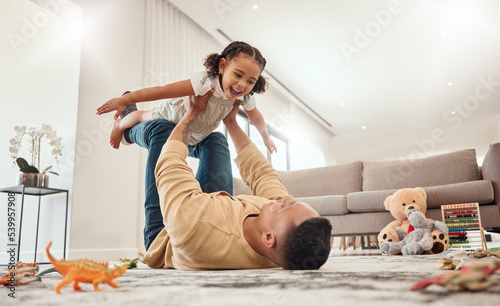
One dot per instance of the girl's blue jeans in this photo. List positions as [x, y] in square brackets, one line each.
[214, 170]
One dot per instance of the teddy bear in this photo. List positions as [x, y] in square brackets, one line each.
[398, 204]
[417, 241]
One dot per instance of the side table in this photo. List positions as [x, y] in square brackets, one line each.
[40, 192]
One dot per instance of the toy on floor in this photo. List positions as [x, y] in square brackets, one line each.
[466, 230]
[475, 277]
[417, 241]
[451, 261]
[398, 204]
[19, 275]
[85, 271]
[21, 264]
[478, 253]
[128, 263]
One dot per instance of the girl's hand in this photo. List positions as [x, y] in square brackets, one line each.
[197, 104]
[117, 104]
[270, 145]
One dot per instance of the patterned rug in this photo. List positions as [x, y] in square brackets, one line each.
[343, 280]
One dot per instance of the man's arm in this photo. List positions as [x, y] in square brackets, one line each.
[240, 139]
[181, 199]
[255, 169]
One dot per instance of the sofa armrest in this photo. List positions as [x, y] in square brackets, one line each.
[491, 169]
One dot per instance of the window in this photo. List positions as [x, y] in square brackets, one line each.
[280, 160]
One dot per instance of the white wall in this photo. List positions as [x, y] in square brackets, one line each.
[39, 76]
[496, 138]
[310, 142]
[107, 187]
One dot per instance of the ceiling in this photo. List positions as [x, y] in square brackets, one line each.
[389, 70]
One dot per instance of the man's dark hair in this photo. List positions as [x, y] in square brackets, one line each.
[307, 246]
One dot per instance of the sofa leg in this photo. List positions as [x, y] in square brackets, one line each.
[369, 242]
[342, 243]
[356, 242]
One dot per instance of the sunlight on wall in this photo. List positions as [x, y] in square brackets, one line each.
[39, 83]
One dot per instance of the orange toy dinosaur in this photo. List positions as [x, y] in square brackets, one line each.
[85, 271]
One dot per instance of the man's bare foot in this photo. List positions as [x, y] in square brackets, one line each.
[116, 134]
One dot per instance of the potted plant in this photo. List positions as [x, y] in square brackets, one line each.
[29, 174]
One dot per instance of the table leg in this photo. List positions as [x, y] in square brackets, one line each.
[37, 226]
[20, 226]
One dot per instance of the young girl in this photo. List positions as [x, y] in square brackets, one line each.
[235, 74]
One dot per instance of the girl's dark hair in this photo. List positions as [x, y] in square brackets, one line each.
[231, 51]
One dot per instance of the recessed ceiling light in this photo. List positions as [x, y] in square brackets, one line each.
[445, 34]
[450, 83]
[453, 113]
[255, 6]
[342, 104]
[363, 127]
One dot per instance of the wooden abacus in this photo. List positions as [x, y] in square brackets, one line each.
[464, 224]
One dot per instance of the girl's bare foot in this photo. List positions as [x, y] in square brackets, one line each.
[116, 134]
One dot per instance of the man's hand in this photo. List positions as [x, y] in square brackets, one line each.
[197, 104]
[194, 106]
[231, 117]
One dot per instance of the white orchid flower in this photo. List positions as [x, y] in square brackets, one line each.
[46, 128]
[34, 143]
[19, 129]
[51, 135]
[39, 132]
[55, 142]
[56, 151]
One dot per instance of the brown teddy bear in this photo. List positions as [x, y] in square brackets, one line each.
[398, 204]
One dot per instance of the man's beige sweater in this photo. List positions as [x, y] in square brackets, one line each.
[205, 231]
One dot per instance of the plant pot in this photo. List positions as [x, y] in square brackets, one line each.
[43, 180]
[33, 179]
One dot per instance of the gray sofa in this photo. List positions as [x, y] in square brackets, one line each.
[352, 195]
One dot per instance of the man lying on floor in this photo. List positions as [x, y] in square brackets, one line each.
[218, 231]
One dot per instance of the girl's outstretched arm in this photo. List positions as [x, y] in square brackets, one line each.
[172, 90]
[260, 124]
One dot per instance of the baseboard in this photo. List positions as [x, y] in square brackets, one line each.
[95, 254]
[103, 254]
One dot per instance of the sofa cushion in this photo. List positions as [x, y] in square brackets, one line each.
[491, 168]
[330, 180]
[332, 205]
[468, 192]
[239, 187]
[450, 168]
